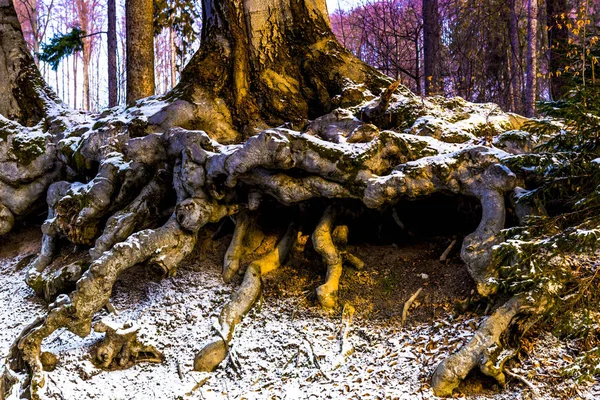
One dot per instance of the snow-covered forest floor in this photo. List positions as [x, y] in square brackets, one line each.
[287, 348]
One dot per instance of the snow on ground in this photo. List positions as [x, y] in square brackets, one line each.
[284, 349]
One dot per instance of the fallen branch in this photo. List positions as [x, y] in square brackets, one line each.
[409, 303]
[446, 252]
[535, 394]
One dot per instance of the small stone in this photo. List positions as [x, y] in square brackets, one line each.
[424, 276]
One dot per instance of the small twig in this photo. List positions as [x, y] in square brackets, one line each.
[226, 389]
[179, 372]
[397, 220]
[409, 303]
[531, 386]
[345, 347]
[61, 394]
[314, 355]
[446, 252]
[291, 358]
[198, 385]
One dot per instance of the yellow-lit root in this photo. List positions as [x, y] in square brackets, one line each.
[242, 301]
[323, 241]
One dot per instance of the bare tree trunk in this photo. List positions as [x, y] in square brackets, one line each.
[418, 66]
[173, 57]
[531, 68]
[515, 66]
[248, 53]
[431, 46]
[112, 53]
[140, 49]
[75, 105]
[86, 78]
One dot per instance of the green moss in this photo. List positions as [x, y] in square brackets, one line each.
[459, 116]
[138, 127]
[27, 148]
[98, 124]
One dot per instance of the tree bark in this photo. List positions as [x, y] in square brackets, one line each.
[112, 53]
[140, 49]
[24, 95]
[263, 63]
[531, 67]
[431, 47]
[515, 65]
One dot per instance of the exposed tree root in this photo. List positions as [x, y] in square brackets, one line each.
[242, 301]
[59, 280]
[212, 181]
[485, 349]
[324, 244]
[121, 348]
[93, 291]
[143, 212]
[112, 180]
[118, 190]
[235, 251]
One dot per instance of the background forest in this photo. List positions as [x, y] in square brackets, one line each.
[511, 53]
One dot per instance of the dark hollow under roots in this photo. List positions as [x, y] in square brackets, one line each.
[149, 196]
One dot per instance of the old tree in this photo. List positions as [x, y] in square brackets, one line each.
[270, 113]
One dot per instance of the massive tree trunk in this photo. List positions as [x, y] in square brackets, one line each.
[139, 28]
[307, 119]
[263, 63]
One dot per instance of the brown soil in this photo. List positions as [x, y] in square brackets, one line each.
[392, 274]
[23, 240]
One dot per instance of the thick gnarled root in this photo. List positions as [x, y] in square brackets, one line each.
[121, 347]
[93, 290]
[323, 242]
[236, 249]
[55, 281]
[331, 243]
[242, 301]
[484, 349]
[141, 213]
[79, 212]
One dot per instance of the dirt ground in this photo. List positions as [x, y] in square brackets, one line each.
[287, 347]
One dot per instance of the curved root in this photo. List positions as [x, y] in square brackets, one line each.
[242, 301]
[235, 251]
[324, 244]
[139, 214]
[93, 291]
[484, 349]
